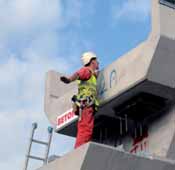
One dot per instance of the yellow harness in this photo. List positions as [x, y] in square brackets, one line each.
[87, 95]
[87, 90]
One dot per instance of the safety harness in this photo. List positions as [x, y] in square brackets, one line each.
[87, 95]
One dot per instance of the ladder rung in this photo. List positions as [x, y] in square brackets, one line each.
[35, 157]
[40, 142]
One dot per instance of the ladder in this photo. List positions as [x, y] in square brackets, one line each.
[47, 144]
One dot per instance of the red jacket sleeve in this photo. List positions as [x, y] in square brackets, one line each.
[84, 73]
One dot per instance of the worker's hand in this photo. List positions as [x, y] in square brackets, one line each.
[65, 79]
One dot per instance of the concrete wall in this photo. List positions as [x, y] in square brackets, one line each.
[171, 150]
[94, 156]
[71, 161]
[162, 66]
[160, 136]
[57, 99]
[111, 159]
[167, 22]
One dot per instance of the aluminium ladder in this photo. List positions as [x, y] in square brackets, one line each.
[47, 144]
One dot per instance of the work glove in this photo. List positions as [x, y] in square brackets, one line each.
[65, 79]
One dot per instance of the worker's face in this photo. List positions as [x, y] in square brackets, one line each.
[96, 64]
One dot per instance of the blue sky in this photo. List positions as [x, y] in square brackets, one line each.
[39, 35]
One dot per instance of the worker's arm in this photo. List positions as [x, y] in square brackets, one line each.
[82, 74]
[68, 80]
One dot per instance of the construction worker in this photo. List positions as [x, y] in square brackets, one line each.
[86, 100]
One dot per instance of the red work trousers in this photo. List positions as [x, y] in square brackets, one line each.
[85, 126]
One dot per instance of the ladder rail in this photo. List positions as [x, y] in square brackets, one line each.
[34, 126]
[50, 130]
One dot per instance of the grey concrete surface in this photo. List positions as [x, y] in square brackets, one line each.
[94, 156]
[71, 161]
[162, 68]
[171, 150]
[100, 157]
[56, 93]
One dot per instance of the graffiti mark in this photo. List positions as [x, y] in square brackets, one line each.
[140, 144]
[113, 78]
[105, 83]
[101, 85]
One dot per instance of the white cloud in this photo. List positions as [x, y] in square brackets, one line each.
[31, 38]
[21, 102]
[22, 81]
[30, 44]
[134, 10]
[28, 16]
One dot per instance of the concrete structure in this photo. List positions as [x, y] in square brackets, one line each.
[95, 156]
[137, 95]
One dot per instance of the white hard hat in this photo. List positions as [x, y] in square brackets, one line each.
[87, 56]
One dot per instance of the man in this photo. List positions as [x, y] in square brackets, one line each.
[86, 99]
